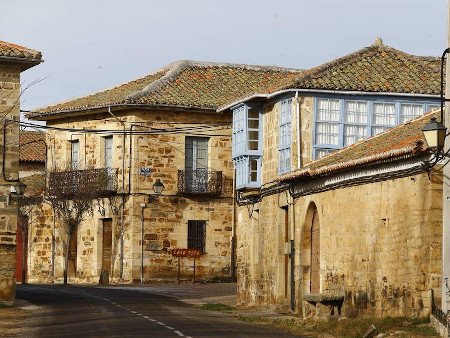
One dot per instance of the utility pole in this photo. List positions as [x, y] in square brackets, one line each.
[446, 192]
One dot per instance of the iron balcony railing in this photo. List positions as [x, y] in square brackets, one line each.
[90, 182]
[199, 182]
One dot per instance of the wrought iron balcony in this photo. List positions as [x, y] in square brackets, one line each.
[199, 182]
[91, 182]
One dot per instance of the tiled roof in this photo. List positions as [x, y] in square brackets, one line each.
[377, 68]
[184, 84]
[12, 52]
[32, 146]
[406, 139]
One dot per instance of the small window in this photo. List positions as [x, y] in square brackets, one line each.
[75, 154]
[108, 151]
[196, 235]
[410, 111]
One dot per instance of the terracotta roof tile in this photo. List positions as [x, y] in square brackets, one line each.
[8, 49]
[187, 84]
[406, 139]
[377, 68]
[32, 146]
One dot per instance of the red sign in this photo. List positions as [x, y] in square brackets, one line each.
[192, 253]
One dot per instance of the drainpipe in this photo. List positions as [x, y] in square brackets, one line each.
[297, 114]
[142, 242]
[233, 232]
[130, 159]
[292, 252]
[6, 179]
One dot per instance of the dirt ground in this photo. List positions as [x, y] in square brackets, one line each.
[10, 319]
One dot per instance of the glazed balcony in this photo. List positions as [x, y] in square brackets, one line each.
[199, 182]
[90, 182]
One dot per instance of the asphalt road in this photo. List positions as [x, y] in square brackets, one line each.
[79, 311]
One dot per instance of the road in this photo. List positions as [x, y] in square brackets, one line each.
[81, 311]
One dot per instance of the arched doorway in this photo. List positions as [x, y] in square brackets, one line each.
[310, 255]
[315, 253]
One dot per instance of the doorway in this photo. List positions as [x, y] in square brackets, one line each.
[72, 261]
[106, 247]
[310, 255]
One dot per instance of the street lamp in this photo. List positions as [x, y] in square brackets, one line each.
[158, 187]
[435, 133]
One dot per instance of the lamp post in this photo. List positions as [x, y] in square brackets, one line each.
[158, 187]
[435, 133]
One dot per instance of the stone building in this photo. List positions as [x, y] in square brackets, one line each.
[359, 227]
[14, 59]
[32, 155]
[116, 144]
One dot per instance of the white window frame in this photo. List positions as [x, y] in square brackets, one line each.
[371, 126]
[285, 136]
[242, 154]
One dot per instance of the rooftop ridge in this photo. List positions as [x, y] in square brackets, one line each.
[177, 67]
[371, 50]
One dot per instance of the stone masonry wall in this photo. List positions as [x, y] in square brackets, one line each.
[380, 246]
[9, 108]
[165, 220]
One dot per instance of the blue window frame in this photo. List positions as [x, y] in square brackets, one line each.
[340, 122]
[247, 149]
[285, 137]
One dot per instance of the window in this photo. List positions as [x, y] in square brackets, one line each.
[75, 154]
[410, 111]
[108, 151]
[340, 122]
[247, 145]
[196, 235]
[253, 129]
[327, 125]
[285, 137]
[196, 164]
[356, 120]
[239, 117]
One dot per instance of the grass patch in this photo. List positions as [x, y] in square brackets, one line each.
[351, 328]
[218, 307]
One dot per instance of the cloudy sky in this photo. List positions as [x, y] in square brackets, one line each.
[90, 45]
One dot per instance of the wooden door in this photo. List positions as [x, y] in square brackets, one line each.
[315, 254]
[72, 264]
[20, 254]
[107, 247]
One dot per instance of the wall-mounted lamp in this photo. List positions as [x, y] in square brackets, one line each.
[435, 131]
[158, 187]
[17, 190]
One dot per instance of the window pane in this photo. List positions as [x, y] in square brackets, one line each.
[410, 111]
[253, 170]
[384, 114]
[328, 110]
[353, 134]
[327, 133]
[379, 130]
[253, 124]
[322, 152]
[356, 112]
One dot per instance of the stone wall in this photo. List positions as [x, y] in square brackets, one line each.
[380, 246]
[165, 220]
[9, 108]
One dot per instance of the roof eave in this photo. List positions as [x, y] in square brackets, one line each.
[406, 152]
[24, 63]
[101, 109]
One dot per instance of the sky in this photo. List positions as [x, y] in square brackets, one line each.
[92, 45]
